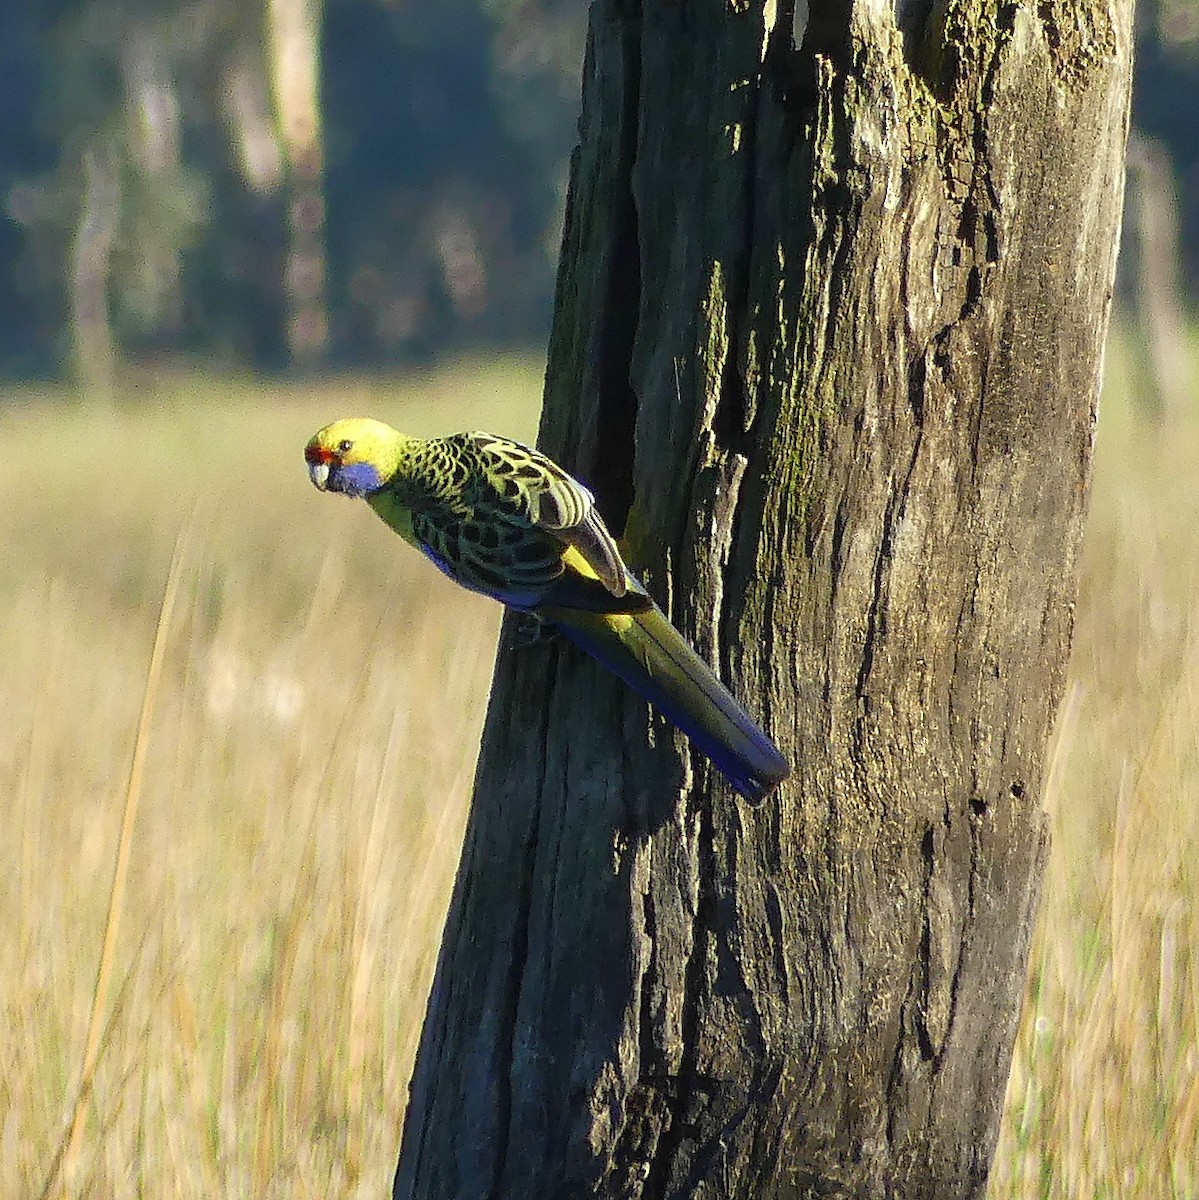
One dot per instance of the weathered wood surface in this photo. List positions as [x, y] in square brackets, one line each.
[828, 343]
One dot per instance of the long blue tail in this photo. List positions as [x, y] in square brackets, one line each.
[651, 656]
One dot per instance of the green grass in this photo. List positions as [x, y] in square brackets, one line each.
[308, 757]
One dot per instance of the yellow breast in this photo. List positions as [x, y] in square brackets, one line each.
[394, 514]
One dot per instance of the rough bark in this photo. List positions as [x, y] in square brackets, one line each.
[827, 343]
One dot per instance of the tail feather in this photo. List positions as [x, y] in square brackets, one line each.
[652, 657]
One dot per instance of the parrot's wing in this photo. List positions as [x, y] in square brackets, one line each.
[567, 510]
[488, 552]
[553, 501]
[504, 556]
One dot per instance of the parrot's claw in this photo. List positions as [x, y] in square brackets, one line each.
[529, 630]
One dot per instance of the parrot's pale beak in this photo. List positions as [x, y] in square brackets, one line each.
[318, 472]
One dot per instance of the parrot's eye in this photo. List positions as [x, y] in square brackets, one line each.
[345, 446]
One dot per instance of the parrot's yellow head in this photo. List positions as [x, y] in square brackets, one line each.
[354, 456]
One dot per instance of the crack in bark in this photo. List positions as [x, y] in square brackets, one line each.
[908, 1017]
[776, 921]
[725, 541]
[520, 954]
[609, 462]
[687, 1080]
[637, 1152]
[736, 410]
[924, 1037]
[876, 613]
[955, 983]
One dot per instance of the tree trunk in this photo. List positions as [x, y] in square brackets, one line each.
[828, 343]
[94, 349]
[293, 28]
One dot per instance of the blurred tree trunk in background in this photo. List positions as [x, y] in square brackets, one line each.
[828, 340]
[1159, 309]
[94, 347]
[294, 51]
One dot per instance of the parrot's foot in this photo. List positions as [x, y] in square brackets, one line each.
[529, 630]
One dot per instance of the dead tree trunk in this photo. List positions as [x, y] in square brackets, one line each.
[828, 342]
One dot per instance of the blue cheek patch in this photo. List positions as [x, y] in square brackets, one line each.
[356, 479]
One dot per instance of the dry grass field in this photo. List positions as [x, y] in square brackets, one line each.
[249, 707]
[305, 758]
[1104, 1095]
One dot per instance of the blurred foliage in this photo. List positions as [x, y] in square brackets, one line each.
[1165, 107]
[447, 130]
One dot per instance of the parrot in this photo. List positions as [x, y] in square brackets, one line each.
[501, 518]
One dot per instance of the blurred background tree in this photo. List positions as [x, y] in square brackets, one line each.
[295, 182]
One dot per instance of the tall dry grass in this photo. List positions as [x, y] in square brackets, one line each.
[294, 799]
[1104, 1095]
[288, 792]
